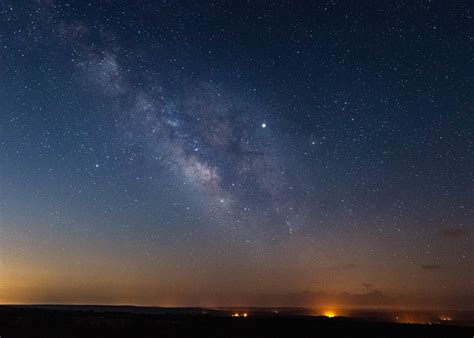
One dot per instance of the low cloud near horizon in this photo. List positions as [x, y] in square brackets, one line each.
[455, 233]
[431, 267]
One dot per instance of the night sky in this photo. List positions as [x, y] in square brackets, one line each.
[170, 153]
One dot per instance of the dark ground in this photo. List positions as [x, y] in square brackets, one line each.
[62, 321]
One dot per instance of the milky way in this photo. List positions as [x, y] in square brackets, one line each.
[213, 139]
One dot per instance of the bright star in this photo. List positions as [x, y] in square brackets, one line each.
[264, 125]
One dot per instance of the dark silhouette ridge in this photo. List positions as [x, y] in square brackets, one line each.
[128, 321]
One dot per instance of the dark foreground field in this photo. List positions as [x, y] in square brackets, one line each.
[45, 322]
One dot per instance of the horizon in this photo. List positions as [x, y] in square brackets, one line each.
[382, 315]
[312, 311]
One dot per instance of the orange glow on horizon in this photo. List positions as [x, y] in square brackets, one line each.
[329, 313]
[445, 318]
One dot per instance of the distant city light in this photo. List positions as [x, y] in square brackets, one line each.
[329, 314]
